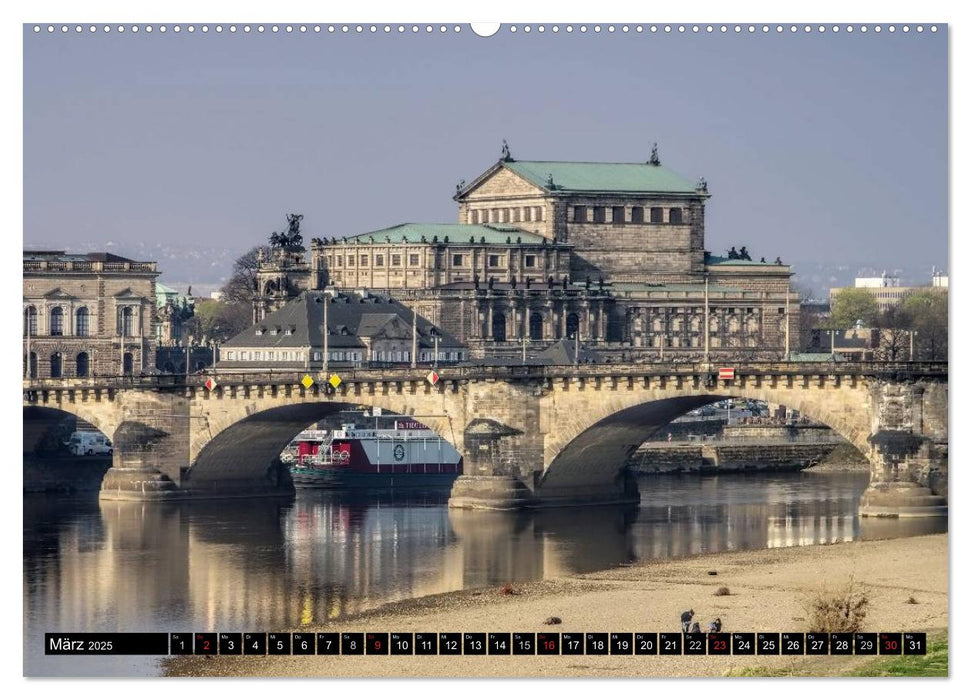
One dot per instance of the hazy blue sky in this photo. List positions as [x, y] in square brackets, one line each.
[814, 147]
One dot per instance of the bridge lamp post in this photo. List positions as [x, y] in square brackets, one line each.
[414, 338]
[326, 333]
[912, 334]
[27, 369]
[707, 360]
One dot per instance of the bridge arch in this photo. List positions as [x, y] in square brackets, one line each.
[39, 422]
[594, 440]
[240, 442]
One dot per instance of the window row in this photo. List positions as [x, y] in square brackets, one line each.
[507, 215]
[618, 215]
[56, 326]
[414, 260]
[82, 365]
[460, 260]
[271, 355]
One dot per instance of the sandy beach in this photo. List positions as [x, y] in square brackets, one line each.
[768, 592]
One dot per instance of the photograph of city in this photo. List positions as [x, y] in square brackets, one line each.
[412, 350]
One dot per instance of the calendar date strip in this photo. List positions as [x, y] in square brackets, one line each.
[486, 643]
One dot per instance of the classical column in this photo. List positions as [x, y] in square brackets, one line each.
[602, 317]
[488, 329]
[475, 332]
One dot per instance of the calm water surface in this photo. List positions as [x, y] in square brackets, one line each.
[272, 565]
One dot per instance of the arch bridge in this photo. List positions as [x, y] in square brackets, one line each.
[529, 435]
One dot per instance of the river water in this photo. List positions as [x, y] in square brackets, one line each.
[259, 565]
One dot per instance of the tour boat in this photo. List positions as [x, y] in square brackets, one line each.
[403, 454]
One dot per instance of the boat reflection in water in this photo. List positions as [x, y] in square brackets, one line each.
[240, 565]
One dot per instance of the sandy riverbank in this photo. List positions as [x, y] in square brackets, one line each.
[768, 592]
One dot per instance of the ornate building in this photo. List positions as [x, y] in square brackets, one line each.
[544, 250]
[86, 315]
[173, 310]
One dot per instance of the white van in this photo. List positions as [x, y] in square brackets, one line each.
[89, 443]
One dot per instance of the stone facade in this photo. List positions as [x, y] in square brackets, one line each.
[87, 315]
[545, 250]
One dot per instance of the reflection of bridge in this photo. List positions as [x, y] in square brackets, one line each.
[529, 435]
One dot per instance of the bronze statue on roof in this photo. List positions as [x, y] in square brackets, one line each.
[291, 239]
[655, 158]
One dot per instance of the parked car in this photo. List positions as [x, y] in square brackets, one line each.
[89, 443]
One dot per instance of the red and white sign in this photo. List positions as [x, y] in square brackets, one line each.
[432, 378]
[211, 384]
[726, 373]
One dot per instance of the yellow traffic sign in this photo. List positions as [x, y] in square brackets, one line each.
[335, 381]
[307, 381]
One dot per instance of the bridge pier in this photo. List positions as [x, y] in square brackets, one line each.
[498, 474]
[908, 454]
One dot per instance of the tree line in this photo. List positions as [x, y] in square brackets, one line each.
[923, 314]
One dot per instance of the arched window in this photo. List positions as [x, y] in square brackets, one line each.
[81, 327]
[499, 327]
[572, 325]
[56, 365]
[128, 364]
[536, 326]
[674, 216]
[30, 321]
[82, 364]
[126, 322]
[57, 321]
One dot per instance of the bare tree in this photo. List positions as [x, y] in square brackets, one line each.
[892, 339]
[928, 309]
[241, 286]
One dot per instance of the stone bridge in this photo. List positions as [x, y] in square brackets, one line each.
[530, 435]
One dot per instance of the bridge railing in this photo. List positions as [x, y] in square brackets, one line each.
[480, 373]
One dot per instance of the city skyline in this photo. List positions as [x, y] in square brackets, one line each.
[181, 139]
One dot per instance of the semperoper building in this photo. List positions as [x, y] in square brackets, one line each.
[546, 250]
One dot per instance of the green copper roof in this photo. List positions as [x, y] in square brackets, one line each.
[602, 177]
[457, 234]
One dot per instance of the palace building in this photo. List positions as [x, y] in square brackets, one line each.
[546, 250]
[86, 315]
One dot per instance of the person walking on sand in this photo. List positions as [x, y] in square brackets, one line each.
[686, 620]
[695, 628]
